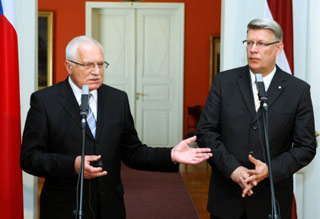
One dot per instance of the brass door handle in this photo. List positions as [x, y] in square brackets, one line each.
[140, 94]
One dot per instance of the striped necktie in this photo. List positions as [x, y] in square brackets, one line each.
[91, 120]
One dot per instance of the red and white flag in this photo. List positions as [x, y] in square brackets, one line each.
[281, 11]
[11, 192]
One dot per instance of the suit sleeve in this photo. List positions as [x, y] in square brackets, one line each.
[208, 132]
[36, 157]
[304, 143]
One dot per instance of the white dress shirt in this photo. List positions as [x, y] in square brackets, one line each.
[266, 80]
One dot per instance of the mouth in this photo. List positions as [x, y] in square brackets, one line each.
[252, 59]
[94, 79]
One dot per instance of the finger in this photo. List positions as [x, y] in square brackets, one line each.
[92, 176]
[242, 183]
[246, 190]
[89, 168]
[253, 172]
[203, 154]
[250, 179]
[95, 169]
[93, 157]
[103, 173]
[202, 150]
[250, 193]
[198, 160]
[252, 159]
[253, 183]
[190, 140]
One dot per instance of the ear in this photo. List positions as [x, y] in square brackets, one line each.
[68, 66]
[280, 47]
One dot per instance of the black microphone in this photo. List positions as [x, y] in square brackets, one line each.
[84, 107]
[263, 97]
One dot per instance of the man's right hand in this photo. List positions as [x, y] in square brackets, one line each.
[239, 175]
[89, 172]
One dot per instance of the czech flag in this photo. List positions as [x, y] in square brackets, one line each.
[11, 198]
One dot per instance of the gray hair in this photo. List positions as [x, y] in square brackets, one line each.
[73, 45]
[265, 23]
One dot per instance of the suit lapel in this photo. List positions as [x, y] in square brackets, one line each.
[71, 106]
[69, 102]
[244, 83]
[103, 109]
[276, 87]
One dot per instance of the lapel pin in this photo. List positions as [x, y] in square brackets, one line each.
[279, 87]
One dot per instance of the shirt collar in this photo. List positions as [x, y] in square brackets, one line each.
[78, 92]
[267, 79]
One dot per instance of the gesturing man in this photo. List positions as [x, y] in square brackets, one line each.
[51, 144]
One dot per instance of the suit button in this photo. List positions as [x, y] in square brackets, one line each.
[254, 127]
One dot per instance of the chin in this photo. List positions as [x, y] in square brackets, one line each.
[94, 86]
[254, 68]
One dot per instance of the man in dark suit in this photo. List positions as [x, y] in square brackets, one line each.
[51, 144]
[233, 129]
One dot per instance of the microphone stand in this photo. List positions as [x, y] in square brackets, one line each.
[83, 129]
[264, 108]
[84, 108]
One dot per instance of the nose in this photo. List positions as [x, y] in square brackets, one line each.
[96, 70]
[253, 48]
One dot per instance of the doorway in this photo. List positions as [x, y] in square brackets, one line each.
[144, 44]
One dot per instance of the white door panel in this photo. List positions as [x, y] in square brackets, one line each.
[157, 76]
[115, 30]
[143, 43]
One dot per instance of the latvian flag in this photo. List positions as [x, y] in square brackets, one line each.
[11, 201]
[281, 11]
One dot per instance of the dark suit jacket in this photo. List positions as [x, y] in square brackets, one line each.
[52, 140]
[230, 126]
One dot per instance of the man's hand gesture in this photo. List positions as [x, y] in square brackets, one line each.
[182, 153]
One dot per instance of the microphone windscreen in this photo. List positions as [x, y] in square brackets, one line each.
[85, 89]
[259, 78]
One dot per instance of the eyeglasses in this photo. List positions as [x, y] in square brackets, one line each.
[92, 65]
[260, 45]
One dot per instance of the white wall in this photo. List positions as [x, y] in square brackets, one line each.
[311, 58]
[26, 15]
[235, 15]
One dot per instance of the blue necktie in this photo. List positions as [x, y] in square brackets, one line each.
[91, 122]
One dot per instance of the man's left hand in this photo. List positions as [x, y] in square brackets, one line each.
[260, 174]
[182, 153]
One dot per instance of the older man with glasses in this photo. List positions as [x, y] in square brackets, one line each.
[51, 144]
[232, 126]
